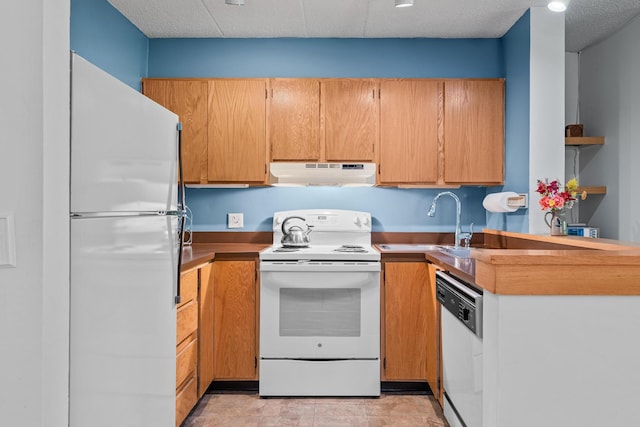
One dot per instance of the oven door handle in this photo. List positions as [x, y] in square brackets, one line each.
[318, 266]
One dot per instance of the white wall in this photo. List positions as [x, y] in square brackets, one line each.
[610, 106]
[546, 140]
[34, 120]
[572, 116]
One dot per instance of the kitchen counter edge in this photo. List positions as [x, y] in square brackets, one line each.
[511, 263]
[197, 254]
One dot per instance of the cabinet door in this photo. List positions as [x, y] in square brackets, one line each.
[409, 116]
[235, 320]
[474, 131]
[237, 130]
[349, 119]
[205, 329]
[187, 345]
[407, 320]
[188, 99]
[294, 119]
[433, 336]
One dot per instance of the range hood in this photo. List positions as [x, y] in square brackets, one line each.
[344, 174]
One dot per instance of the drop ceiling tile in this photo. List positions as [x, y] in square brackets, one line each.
[587, 21]
[443, 19]
[336, 18]
[259, 18]
[169, 18]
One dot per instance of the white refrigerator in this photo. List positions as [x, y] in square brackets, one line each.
[126, 220]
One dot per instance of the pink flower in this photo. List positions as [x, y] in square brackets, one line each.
[552, 197]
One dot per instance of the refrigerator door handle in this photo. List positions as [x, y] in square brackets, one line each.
[181, 214]
[177, 213]
[182, 204]
[181, 220]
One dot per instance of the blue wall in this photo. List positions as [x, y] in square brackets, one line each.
[515, 48]
[101, 35]
[392, 209]
[325, 58]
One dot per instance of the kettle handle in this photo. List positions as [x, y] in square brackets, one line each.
[287, 219]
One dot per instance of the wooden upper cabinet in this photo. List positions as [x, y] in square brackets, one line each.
[237, 130]
[409, 117]
[294, 119]
[474, 131]
[349, 119]
[188, 99]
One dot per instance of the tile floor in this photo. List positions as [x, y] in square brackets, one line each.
[249, 410]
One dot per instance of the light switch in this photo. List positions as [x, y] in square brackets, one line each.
[7, 240]
[235, 220]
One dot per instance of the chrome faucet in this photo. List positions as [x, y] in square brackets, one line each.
[432, 212]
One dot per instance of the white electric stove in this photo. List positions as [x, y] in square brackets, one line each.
[320, 308]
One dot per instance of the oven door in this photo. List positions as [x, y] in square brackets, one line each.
[319, 310]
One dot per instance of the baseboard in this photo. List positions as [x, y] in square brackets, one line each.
[387, 387]
[405, 387]
[233, 387]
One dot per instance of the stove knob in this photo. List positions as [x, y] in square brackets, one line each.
[361, 221]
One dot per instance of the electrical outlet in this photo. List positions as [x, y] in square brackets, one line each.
[235, 220]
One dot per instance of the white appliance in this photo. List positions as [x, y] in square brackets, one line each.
[341, 174]
[461, 350]
[125, 254]
[320, 308]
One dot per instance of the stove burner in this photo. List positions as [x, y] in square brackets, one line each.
[350, 248]
[286, 249]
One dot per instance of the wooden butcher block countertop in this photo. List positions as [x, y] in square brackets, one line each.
[523, 264]
[223, 245]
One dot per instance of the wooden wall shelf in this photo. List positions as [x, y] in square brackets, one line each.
[593, 190]
[584, 140]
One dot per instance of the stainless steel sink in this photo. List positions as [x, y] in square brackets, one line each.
[459, 252]
[409, 247]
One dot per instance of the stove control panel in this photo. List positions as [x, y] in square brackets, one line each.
[327, 220]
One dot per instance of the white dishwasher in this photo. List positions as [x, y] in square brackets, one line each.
[461, 350]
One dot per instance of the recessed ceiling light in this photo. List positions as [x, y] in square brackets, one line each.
[404, 3]
[558, 5]
[234, 2]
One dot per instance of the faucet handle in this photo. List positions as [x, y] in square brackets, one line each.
[467, 236]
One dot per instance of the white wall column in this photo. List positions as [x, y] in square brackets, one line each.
[55, 228]
[547, 109]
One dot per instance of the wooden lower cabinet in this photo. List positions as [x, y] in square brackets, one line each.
[205, 329]
[410, 324]
[187, 345]
[186, 399]
[194, 339]
[235, 336]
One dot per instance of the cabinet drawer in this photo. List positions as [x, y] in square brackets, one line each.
[187, 321]
[186, 362]
[188, 286]
[186, 399]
